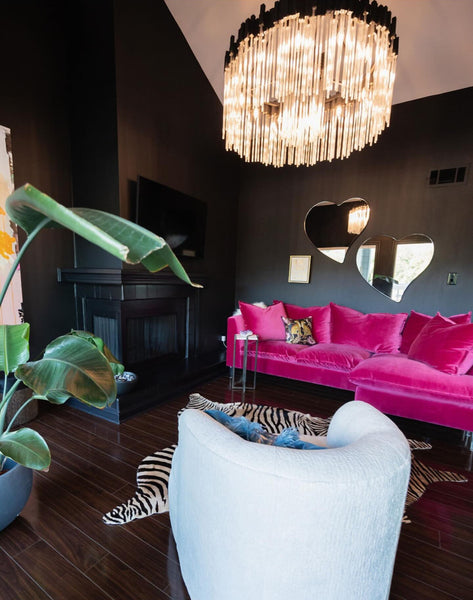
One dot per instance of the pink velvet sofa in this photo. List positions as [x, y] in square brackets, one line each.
[414, 366]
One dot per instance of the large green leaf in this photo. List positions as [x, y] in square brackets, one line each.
[129, 242]
[71, 367]
[14, 346]
[115, 364]
[26, 447]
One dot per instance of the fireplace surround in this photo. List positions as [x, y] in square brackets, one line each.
[141, 316]
[150, 322]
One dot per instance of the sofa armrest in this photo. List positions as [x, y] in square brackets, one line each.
[235, 324]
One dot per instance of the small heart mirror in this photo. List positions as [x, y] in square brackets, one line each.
[391, 265]
[333, 228]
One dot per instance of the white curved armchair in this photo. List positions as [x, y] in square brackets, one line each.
[268, 523]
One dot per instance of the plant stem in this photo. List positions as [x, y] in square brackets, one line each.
[5, 383]
[18, 412]
[6, 399]
[31, 236]
[8, 394]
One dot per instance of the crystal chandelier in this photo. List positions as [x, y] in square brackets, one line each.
[358, 217]
[309, 81]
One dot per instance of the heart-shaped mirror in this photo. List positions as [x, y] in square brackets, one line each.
[390, 265]
[333, 228]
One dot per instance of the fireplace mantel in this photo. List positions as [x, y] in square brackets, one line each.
[121, 277]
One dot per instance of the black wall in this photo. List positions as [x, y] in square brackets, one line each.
[169, 130]
[93, 117]
[33, 104]
[392, 176]
[96, 93]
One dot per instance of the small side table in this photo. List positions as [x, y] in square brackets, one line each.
[245, 339]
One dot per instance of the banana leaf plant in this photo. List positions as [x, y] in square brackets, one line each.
[76, 364]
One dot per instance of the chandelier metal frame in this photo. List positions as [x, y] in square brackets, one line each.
[309, 81]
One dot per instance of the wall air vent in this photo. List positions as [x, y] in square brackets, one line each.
[448, 176]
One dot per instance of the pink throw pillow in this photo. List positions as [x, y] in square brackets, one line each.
[444, 345]
[416, 322]
[320, 319]
[376, 332]
[265, 322]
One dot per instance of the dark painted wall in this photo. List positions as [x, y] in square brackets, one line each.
[392, 176]
[96, 93]
[93, 118]
[33, 105]
[169, 130]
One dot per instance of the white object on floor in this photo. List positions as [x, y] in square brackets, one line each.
[268, 523]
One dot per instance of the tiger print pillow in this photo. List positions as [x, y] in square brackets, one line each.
[299, 331]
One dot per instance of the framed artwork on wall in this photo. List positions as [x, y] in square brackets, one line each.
[11, 310]
[299, 268]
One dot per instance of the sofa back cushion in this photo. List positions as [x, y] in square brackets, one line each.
[376, 332]
[266, 323]
[416, 322]
[444, 345]
[320, 319]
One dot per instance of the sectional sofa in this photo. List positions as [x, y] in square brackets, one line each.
[409, 365]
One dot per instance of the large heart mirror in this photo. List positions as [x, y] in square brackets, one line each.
[333, 228]
[390, 265]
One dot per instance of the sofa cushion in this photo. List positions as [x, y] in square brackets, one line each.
[376, 332]
[334, 356]
[275, 349]
[444, 345]
[266, 323]
[299, 331]
[399, 374]
[416, 322]
[320, 319]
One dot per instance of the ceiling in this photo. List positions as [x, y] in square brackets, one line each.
[435, 40]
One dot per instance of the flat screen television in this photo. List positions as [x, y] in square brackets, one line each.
[178, 218]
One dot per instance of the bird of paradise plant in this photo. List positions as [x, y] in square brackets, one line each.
[71, 365]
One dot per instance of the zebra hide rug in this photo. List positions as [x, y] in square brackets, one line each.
[152, 477]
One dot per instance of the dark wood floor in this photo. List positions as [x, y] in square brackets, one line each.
[60, 549]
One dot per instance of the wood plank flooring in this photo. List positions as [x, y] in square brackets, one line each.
[59, 548]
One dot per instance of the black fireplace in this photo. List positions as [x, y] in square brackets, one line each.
[141, 316]
[150, 321]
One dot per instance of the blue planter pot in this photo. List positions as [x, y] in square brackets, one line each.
[15, 489]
